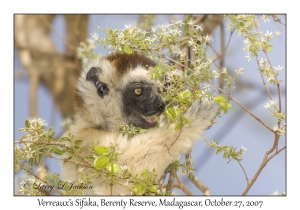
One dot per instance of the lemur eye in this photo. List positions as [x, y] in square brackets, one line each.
[138, 91]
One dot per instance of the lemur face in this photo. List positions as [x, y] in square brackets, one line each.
[141, 100]
[118, 89]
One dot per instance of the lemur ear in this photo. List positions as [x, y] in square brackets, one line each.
[93, 76]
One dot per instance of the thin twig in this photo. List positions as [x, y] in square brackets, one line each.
[277, 82]
[247, 179]
[222, 60]
[164, 56]
[276, 19]
[43, 143]
[56, 144]
[263, 80]
[233, 121]
[42, 181]
[34, 81]
[264, 163]
[220, 89]
[71, 161]
[170, 184]
[44, 167]
[271, 66]
[249, 112]
[174, 42]
[160, 185]
[192, 176]
[199, 19]
[181, 186]
[168, 147]
[213, 49]
[219, 56]
[275, 146]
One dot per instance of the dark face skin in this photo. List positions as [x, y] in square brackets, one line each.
[141, 100]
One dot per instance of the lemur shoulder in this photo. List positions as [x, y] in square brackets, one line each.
[118, 89]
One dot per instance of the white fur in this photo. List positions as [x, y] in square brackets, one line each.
[150, 150]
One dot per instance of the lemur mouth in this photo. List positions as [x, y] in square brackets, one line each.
[150, 119]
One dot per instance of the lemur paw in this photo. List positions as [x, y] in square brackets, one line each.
[202, 111]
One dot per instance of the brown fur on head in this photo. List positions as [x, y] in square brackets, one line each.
[126, 62]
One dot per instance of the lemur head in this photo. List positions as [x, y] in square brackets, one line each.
[117, 89]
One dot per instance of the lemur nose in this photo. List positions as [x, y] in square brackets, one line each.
[160, 107]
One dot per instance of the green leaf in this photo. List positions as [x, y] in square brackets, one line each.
[145, 173]
[57, 150]
[27, 123]
[152, 189]
[22, 129]
[156, 72]
[139, 189]
[31, 161]
[178, 125]
[37, 159]
[100, 150]
[219, 99]
[223, 103]
[116, 157]
[127, 49]
[62, 139]
[169, 169]
[51, 133]
[269, 47]
[101, 162]
[78, 142]
[185, 94]
[171, 113]
[112, 168]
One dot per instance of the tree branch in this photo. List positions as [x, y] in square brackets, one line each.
[247, 179]
[192, 176]
[71, 161]
[276, 19]
[249, 112]
[220, 89]
[34, 81]
[42, 181]
[219, 56]
[170, 184]
[181, 186]
[263, 80]
[56, 32]
[271, 66]
[264, 163]
[56, 144]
